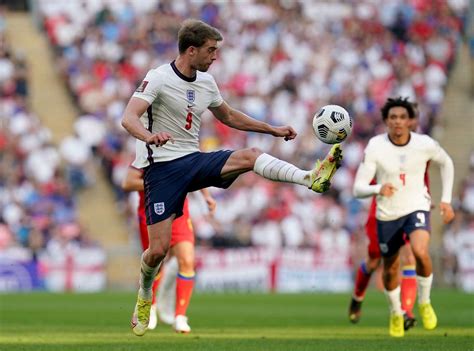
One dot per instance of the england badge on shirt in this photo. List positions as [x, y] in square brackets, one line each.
[191, 95]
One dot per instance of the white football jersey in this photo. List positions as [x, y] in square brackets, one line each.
[176, 104]
[404, 167]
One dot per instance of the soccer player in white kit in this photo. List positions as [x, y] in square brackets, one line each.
[398, 160]
[164, 114]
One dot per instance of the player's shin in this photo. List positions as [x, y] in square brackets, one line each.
[184, 290]
[362, 281]
[424, 288]
[408, 289]
[393, 298]
[275, 169]
[147, 277]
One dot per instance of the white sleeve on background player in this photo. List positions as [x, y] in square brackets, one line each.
[365, 174]
[150, 87]
[441, 157]
[217, 99]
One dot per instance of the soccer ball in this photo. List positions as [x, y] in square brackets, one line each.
[332, 124]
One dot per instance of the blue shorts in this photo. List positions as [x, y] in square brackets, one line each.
[390, 233]
[168, 183]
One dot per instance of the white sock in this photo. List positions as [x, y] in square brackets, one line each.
[393, 298]
[275, 169]
[424, 288]
[147, 276]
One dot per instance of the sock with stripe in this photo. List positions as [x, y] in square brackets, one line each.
[408, 289]
[184, 290]
[275, 169]
[362, 281]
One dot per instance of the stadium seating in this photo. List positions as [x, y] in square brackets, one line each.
[38, 183]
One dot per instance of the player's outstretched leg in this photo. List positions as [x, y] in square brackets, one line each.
[323, 171]
[317, 179]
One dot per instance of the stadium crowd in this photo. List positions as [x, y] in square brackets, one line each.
[280, 61]
[37, 184]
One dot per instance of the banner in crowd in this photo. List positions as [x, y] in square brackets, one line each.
[78, 269]
[283, 270]
[18, 275]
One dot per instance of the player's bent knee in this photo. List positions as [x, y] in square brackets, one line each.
[157, 252]
[372, 264]
[251, 155]
[420, 252]
[186, 265]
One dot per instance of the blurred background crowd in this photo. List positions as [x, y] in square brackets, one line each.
[280, 61]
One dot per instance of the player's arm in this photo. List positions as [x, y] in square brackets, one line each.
[363, 186]
[133, 180]
[446, 165]
[210, 201]
[239, 120]
[138, 105]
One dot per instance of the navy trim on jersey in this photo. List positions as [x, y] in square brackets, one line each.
[180, 75]
[150, 128]
[409, 138]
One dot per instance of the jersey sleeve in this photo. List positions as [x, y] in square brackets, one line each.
[150, 87]
[363, 185]
[217, 99]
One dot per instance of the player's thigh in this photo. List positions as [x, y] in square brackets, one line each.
[390, 236]
[406, 255]
[420, 240]
[184, 252]
[391, 264]
[159, 235]
[239, 162]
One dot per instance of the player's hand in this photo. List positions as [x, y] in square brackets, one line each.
[387, 190]
[286, 132]
[446, 211]
[211, 204]
[159, 139]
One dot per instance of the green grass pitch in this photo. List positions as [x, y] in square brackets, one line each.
[42, 321]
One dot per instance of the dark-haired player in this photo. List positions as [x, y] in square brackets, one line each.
[374, 258]
[398, 159]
